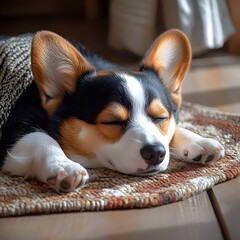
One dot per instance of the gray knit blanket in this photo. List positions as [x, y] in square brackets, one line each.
[15, 72]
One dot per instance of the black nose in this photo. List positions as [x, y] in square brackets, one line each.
[153, 153]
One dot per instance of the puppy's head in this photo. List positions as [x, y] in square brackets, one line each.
[122, 120]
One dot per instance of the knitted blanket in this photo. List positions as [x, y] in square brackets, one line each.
[15, 72]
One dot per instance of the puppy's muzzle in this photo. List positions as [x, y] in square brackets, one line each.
[153, 154]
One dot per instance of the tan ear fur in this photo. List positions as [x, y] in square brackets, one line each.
[170, 57]
[56, 67]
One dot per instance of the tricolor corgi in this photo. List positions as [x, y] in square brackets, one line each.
[83, 112]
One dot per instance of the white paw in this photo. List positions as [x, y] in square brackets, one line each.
[66, 176]
[203, 151]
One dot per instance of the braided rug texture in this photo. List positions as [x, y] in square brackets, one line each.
[108, 190]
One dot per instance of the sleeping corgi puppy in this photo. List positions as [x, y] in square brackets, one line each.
[83, 112]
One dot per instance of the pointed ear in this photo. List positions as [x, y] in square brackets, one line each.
[170, 57]
[56, 67]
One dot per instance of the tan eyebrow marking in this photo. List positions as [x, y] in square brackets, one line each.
[156, 109]
[113, 112]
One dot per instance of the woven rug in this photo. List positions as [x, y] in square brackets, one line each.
[108, 190]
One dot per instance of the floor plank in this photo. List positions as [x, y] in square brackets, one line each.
[216, 86]
[190, 219]
[226, 200]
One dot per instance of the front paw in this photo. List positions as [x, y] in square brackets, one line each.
[203, 151]
[67, 177]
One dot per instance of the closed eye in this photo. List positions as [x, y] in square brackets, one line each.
[159, 119]
[116, 123]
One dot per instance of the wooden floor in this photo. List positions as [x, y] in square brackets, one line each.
[214, 81]
[210, 215]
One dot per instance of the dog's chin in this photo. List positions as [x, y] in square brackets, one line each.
[141, 172]
[147, 173]
[150, 171]
[139, 168]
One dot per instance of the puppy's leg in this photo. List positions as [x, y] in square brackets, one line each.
[38, 155]
[191, 147]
